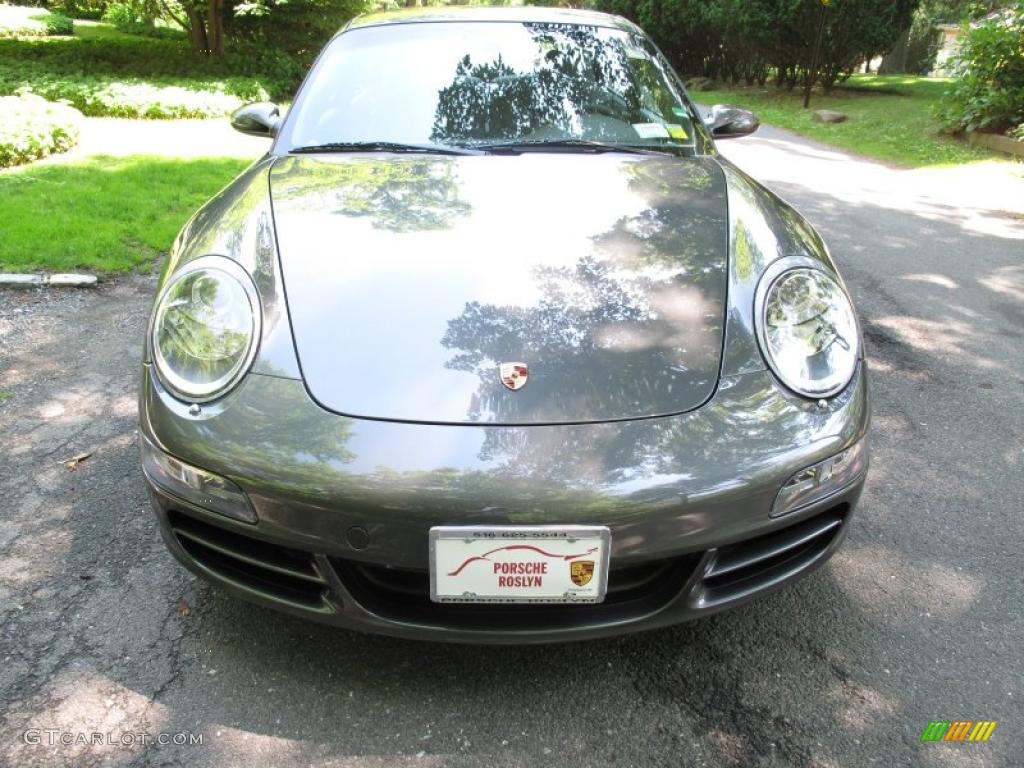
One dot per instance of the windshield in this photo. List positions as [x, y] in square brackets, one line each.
[490, 83]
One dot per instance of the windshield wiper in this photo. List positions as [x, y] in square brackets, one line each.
[582, 145]
[386, 146]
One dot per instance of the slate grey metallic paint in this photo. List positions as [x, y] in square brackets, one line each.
[612, 290]
[668, 485]
[664, 486]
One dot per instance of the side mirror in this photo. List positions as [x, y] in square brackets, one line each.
[729, 122]
[258, 119]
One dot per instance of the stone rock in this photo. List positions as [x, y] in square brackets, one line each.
[71, 280]
[8, 280]
[827, 116]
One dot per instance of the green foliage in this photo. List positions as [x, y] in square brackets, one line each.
[294, 29]
[127, 17]
[58, 24]
[957, 11]
[122, 76]
[923, 44]
[80, 9]
[988, 93]
[31, 128]
[744, 39]
[889, 118]
[115, 214]
[140, 18]
[153, 98]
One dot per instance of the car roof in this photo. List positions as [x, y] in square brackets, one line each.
[435, 14]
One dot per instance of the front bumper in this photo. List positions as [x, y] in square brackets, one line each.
[344, 505]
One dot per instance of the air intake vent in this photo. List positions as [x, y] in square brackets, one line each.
[742, 569]
[283, 574]
[404, 595]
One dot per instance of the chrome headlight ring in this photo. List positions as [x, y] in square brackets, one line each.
[205, 329]
[806, 327]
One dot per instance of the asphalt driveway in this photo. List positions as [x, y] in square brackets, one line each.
[918, 618]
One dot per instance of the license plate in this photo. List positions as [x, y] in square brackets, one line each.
[519, 564]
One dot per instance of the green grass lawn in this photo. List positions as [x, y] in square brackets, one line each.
[103, 214]
[888, 118]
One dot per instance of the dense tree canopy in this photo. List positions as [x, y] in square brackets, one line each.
[749, 39]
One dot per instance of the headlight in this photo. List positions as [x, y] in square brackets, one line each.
[205, 328]
[808, 331]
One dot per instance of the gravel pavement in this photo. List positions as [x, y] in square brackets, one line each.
[917, 618]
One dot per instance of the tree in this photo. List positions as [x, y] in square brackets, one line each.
[744, 39]
[205, 25]
[859, 30]
[296, 28]
[290, 27]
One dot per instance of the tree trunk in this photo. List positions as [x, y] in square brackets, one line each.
[215, 27]
[197, 31]
[895, 61]
[812, 73]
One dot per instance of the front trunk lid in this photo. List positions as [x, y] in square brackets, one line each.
[411, 280]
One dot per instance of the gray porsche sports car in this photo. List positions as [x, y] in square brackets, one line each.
[493, 346]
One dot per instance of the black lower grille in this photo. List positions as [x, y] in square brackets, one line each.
[281, 573]
[404, 595]
[739, 570]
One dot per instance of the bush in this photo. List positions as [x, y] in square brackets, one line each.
[58, 24]
[988, 94]
[135, 17]
[121, 15]
[153, 78]
[157, 98]
[297, 30]
[80, 9]
[31, 128]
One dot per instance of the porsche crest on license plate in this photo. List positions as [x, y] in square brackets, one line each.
[519, 564]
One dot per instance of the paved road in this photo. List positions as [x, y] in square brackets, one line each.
[917, 618]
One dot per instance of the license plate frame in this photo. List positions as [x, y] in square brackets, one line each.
[560, 537]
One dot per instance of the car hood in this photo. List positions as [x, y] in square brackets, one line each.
[411, 279]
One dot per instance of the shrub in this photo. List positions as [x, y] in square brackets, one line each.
[121, 15]
[58, 24]
[988, 94]
[147, 58]
[296, 30]
[31, 128]
[158, 98]
[80, 9]
[134, 16]
[128, 77]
